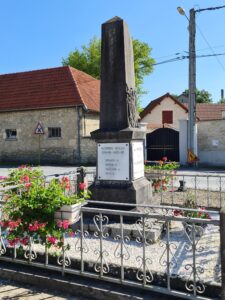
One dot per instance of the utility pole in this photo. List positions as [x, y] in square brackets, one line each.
[191, 136]
[192, 83]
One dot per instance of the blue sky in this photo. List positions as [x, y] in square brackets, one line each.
[36, 34]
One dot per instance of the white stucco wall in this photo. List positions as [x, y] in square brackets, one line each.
[155, 117]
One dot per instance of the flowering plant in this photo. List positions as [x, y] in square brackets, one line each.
[163, 166]
[200, 213]
[30, 207]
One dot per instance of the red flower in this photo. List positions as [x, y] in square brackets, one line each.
[177, 212]
[36, 226]
[24, 241]
[52, 240]
[164, 158]
[82, 186]
[25, 179]
[63, 224]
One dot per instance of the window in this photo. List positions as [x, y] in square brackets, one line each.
[167, 116]
[54, 132]
[11, 134]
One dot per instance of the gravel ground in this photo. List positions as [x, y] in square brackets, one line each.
[207, 255]
[204, 198]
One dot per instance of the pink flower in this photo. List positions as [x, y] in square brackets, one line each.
[25, 179]
[65, 183]
[13, 224]
[63, 224]
[36, 226]
[164, 158]
[71, 234]
[52, 240]
[3, 224]
[28, 185]
[3, 177]
[82, 186]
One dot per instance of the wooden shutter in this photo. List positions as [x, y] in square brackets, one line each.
[167, 116]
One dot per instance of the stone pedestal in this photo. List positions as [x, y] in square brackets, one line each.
[120, 167]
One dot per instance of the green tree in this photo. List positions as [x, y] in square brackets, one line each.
[221, 101]
[202, 96]
[89, 57]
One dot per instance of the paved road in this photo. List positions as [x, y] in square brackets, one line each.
[15, 291]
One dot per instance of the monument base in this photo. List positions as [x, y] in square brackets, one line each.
[135, 192]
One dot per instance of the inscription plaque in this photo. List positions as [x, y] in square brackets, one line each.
[138, 159]
[113, 161]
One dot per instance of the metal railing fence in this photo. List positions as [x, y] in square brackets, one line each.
[206, 190]
[159, 248]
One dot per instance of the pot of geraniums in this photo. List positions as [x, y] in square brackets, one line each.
[161, 173]
[194, 212]
[30, 208]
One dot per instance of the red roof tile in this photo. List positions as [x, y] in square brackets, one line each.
[48, 88]
[157, 101]
[204, 111]
[209, 111]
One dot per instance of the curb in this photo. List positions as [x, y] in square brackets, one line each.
[75, 285]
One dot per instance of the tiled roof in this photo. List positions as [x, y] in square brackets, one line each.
[209, 111]
[157, 101]
[204, 111]
[48, 88]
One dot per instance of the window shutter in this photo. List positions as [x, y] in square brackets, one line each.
[167, 116]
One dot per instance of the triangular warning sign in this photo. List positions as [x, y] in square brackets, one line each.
[39, 129]
[192, 157]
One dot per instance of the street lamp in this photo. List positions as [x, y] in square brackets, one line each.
[192, 79]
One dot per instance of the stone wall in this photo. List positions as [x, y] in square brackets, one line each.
[70, 148]
[211, 142]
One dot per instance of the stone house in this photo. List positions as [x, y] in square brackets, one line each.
[64, 101]
[166, 119]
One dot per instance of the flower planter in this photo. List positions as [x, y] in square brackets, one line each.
[198, 229]
[69, 212]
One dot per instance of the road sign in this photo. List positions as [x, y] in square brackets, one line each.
[39, 129]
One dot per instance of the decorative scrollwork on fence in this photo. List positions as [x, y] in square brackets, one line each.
[84, 247]
[144, 224]
[101, 265]
[30, 252]
[173, 260]
[2, 246]
[198, 285]
[193, 233]
[147, 274]
[101, 222]
[124, 252]
[63, 257]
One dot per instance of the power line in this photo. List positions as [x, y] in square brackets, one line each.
[178, 58]
[218, 60]
[203, 36]
[210, 8]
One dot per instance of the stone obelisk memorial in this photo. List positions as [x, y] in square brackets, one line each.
[120, 143]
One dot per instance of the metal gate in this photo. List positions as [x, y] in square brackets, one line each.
[163, 142]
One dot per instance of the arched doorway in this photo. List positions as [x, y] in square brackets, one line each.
[163, 142]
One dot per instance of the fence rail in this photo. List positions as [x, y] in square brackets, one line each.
[154, 248]
[175, 189]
